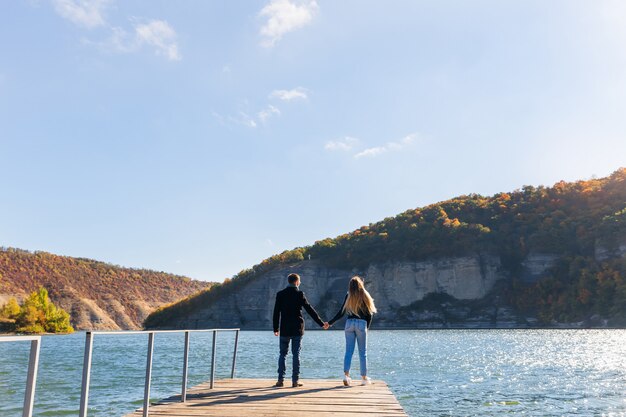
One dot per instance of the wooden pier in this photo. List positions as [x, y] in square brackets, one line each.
[230, 397]
[259, 398]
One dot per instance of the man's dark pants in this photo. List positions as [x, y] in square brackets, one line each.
[296, 344]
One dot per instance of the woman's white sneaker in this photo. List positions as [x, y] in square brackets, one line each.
[366, 381]
[347, 381]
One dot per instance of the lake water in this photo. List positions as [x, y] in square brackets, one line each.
[431, 372]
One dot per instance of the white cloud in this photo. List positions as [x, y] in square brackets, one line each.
[120, 41]
[344, 144]
[218, 117]
[268, 112]
[243, 119]
[288, 95]
[390, 146]
[86, 13]
[405, 141]
[284, 16]
[249, 118]
[371, 152]
[159, 34]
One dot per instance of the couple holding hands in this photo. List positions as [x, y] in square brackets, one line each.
[358, 305]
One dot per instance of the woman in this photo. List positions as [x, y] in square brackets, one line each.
[359, 305]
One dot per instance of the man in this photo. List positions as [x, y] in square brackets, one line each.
[288, 311]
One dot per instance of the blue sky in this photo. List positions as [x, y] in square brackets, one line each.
[201, 137]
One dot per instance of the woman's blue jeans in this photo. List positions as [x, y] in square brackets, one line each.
[356, 332]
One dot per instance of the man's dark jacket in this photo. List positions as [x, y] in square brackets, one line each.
[288, 310]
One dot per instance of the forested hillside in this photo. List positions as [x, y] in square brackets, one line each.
[580, 227]
[96, 294]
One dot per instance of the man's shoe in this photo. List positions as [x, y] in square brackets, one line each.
[366, 381]
[296, 384]
[347, 381]
[279, 384]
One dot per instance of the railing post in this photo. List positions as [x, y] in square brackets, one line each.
[232, 372]
[213, 359]
[183, 395]
[31, 381]
[146, 392]
[84, 389]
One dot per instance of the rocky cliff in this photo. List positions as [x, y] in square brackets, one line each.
[545, 256]
[395, 286]
[461, 292]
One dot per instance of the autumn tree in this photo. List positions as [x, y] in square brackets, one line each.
[37, 314]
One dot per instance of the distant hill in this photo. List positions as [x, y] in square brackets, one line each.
[536, 256]
[96, 294]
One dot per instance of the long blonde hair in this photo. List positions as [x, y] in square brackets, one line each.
[358, 298]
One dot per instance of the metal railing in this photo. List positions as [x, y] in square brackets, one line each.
[33, 365]
[89, 337]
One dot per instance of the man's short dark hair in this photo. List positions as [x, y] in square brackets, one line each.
[293, 278]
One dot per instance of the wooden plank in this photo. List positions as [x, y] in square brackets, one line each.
[259, 398]
[273, 413]
[270, 411]
[292, 405]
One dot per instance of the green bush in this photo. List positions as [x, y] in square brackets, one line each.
[37, 314]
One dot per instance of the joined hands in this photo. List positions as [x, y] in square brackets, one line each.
[326, 325]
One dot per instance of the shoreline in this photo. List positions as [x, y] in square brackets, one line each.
[338, 329]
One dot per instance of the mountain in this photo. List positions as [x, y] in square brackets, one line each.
[536, 256]
[96, 294]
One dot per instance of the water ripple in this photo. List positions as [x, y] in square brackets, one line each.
[432, 372]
